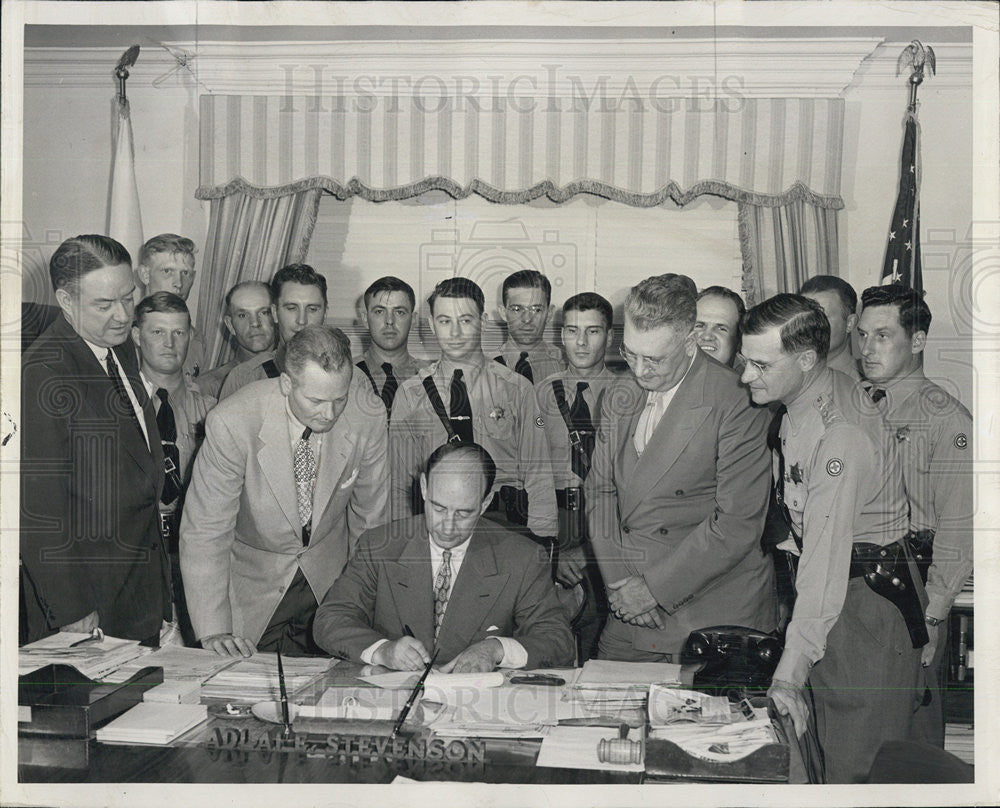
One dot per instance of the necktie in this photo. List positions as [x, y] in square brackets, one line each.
[442, 587]
[305, 473]
[877, 394]
[774, 444]
[523, 367]
[389, 388]
[582, 438]
[460, 409]
[648, 421]
[167, 427]
[123, 399]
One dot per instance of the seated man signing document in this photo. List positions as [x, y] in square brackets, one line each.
[478, 593]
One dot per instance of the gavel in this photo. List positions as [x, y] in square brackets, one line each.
[620, 749]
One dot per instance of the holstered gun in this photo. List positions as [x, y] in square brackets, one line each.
[886, 570]
[921, 545]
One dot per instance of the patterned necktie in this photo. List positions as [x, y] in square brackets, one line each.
[390, 386]
[877, 394]
[167, 427]
[305, 474]
[460, 409]
[442, 587]
[583, 427]
[123, 399]
[523, 367]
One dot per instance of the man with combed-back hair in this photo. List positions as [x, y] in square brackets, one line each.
[91, 461]
[933, 434]
[839, 302]
[292, 472]
[849, 656]
[677, 492]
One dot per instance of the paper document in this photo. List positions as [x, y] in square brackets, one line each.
[604, 673]
[95, 660]
[719, 742]
[670, 705]
[255, 678]
[178, 663]
[576, 748]
[153, 723]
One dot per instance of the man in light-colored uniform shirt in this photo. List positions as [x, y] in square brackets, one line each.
[389, 304]
[502, 412]
[933, 433]
[527, 307]
[166, 264]
[839, 302]
[847, 648]
[299, 294]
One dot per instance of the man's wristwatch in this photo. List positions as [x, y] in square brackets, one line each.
[932, 621]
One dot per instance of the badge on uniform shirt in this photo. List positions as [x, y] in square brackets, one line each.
[961, 441]
[496, 413]
[834, 466]
[540, 422]
[903, 433]
[796, 474]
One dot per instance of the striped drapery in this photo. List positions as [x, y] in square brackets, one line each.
[757, 151]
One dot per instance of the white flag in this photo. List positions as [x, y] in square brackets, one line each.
[124, 217]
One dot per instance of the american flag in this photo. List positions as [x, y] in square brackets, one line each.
[902, 253]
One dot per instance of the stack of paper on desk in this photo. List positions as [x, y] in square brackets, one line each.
[610, 686]
[178, 663]
[153, 723]
[95, 660]
[719, 742]
[255, 678]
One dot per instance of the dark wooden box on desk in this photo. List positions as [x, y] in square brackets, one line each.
[58, 700]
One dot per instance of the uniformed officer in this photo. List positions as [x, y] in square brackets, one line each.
[527, 307]
[570, 403]
[837, 473]
[161, 332]
[388, 313]
[840, 303]
[463, 396]
[933, 434]
[299, 294]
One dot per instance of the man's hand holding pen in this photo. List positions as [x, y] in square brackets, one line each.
[405, 654]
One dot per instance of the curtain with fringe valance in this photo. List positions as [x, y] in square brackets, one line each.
[781, 155]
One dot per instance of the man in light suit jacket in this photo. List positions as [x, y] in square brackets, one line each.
[482, 595]
[678, 490]
[292, 472]
[91, 461]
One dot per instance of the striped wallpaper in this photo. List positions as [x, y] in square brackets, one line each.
[759, 150]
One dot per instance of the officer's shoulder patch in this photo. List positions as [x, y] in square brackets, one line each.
[827, 410]
[961, 441]
[540, 422]
[834, 466]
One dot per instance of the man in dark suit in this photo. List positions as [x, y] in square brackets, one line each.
[478, 593]
[92, 465]
[677, 493]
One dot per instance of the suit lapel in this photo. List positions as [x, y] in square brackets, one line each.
[682, 418]
[473, 593]
[274, 455]
[338, 446]
[145, 455]
[412, 588]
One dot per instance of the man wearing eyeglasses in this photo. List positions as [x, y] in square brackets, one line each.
[678, 489]
[849, 653]
[527, 306]
[166, 264]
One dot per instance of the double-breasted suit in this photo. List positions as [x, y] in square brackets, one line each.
[90, 484]
[503, 589]
[687, 514]
[241, 535]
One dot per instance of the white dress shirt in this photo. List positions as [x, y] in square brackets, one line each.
[657, 402]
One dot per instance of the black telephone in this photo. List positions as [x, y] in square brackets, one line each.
[736, 660]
